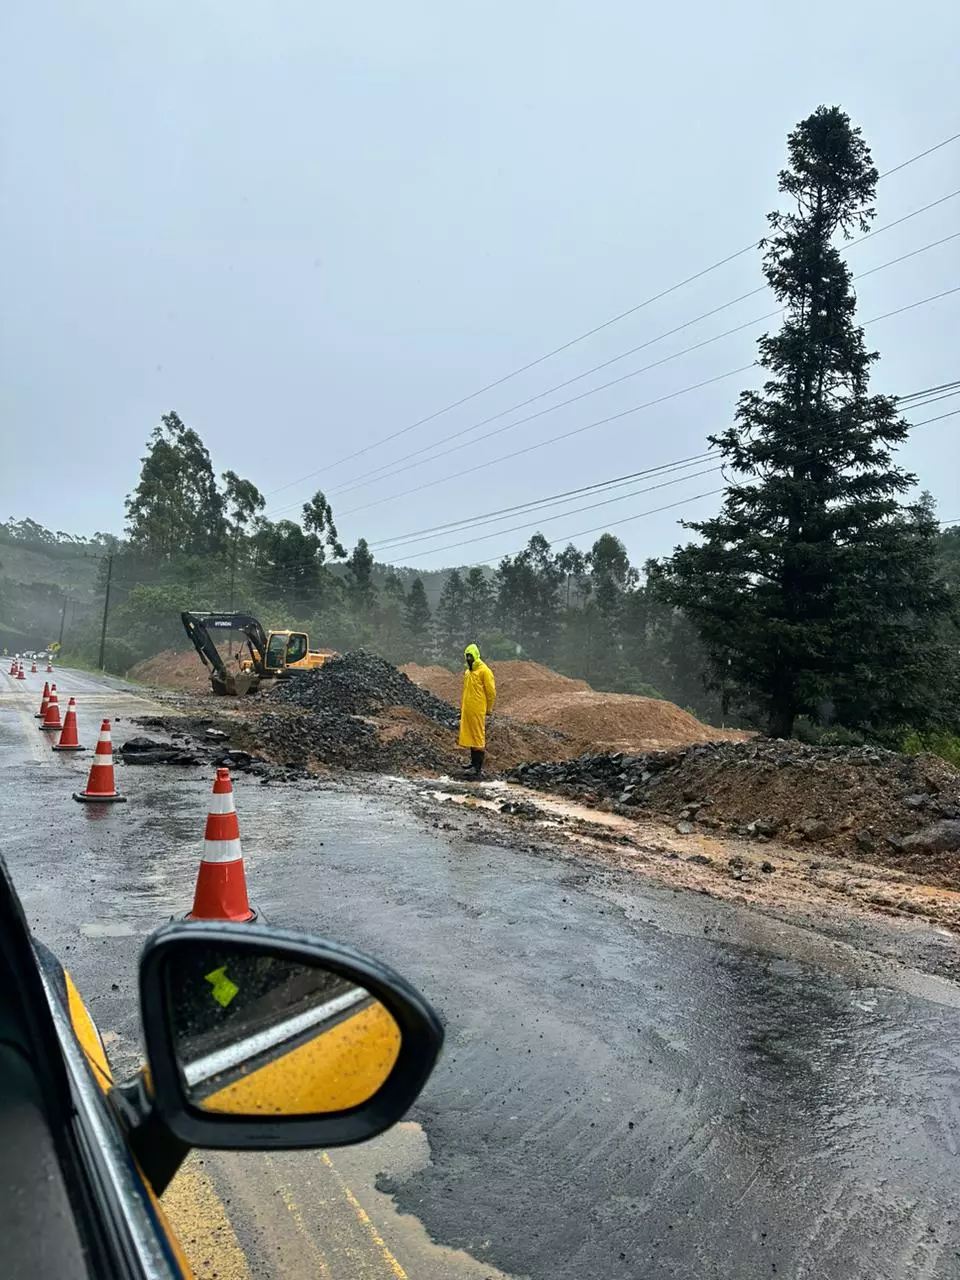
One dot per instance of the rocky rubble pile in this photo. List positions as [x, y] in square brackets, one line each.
[861, 800]
[393, 744]
[360, 683]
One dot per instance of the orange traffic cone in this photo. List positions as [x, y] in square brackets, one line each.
[69, 739]
[221, 892]
[101, 784]
[21, 674]
[33, 668]
[51, 719]
[44, 700]
[49, 667]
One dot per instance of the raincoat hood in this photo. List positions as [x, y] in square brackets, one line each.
[471, 651]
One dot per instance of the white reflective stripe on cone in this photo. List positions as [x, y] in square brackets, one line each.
[101, 762]
[221, 851]
[222, 802]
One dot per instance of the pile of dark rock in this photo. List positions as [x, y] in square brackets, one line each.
[863, 800]
[360, 683]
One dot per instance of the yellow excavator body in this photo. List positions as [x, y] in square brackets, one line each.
[268, 655]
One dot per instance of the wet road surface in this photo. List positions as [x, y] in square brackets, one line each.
[637, 1081]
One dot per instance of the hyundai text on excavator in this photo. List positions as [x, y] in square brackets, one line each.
[269, 654]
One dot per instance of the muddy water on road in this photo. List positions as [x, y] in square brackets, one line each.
[638, 1080]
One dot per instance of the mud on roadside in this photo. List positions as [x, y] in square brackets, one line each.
[821, 887]
[823, 891]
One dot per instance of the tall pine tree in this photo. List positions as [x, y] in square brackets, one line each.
[477, 603]
[814, 590]
[418, 622]
[451, 610]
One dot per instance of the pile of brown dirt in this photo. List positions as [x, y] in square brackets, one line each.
[430, 746]
[445, 684]
[171, 670]
[616, 721]
[533, 694]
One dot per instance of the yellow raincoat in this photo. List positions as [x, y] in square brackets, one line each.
[479, 695]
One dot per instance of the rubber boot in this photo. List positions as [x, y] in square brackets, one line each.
[471, 769]
[476, 758]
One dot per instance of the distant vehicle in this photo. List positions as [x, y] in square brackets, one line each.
[256, 1038]
[270, 655]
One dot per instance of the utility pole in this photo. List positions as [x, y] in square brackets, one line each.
[106, 607]
[63, 618]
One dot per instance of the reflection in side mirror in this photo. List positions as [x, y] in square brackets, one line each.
[255, 1033]
[260, 1038]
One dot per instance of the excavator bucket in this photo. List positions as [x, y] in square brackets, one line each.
[234, 684]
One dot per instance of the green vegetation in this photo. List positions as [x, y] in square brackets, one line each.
[939, 742]
[815, 592]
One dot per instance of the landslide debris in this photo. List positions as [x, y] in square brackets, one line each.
[358, 711]
[875, 805]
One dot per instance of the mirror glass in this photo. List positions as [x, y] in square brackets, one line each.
[258, 1033]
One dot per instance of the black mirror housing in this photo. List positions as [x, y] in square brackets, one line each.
[420, 1040]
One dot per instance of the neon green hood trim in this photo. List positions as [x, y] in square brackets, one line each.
[472, 651]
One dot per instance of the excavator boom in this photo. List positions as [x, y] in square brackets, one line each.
[198, 626]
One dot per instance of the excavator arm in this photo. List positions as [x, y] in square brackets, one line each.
[198, 626]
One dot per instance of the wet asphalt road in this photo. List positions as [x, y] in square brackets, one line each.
[637, 1082]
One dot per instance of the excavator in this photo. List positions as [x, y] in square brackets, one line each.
[269, 655]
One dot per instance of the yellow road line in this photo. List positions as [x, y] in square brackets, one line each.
[293, 1209]
[366, 1221]
[202, 1227]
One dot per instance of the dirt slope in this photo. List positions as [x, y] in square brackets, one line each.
[171, 670]
[533, 694]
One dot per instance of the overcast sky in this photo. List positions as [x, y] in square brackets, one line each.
[306, 226]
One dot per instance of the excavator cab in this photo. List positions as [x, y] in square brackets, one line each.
[286, 649]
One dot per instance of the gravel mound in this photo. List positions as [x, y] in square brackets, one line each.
[863, 801]
[360, 684]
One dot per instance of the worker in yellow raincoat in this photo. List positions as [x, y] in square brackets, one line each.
[479, 695]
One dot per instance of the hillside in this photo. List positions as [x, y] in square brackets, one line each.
[36, 580]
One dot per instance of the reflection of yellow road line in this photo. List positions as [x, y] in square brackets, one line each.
[337, 1069]
[85, 1029]
[365, 1220]
[293, 1209]
[202, 1227]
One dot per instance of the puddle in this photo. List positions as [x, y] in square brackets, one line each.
[107, 929]
[561, 809]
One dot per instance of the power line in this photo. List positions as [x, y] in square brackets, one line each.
[436, 550]
[488, 517]
[567, 435]
[601, 486]
[568, 537]
[563, 404]
[589, 333]
[929, 152]
[612, 417]
[391, 469]
[623, 497]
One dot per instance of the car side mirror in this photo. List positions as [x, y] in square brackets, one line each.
[263, 1038]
